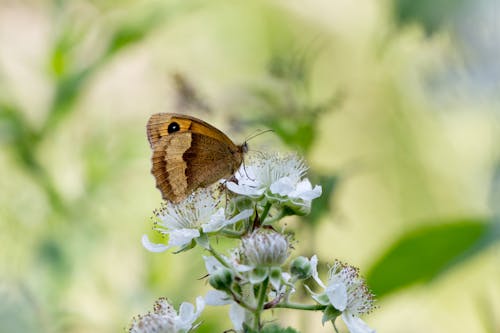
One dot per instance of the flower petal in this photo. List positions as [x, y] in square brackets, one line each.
[355, 324]
[211, 264]
[337, 295]
[200, 305]
[217, 222]
[181, 237]
[186, 316]
[283, 186]
[305, 191]
[314, 267]
[216, 297]
[153, 247]
[237, 316]
[241, 216]
[242, 189]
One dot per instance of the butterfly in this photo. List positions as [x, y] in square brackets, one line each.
[189, 153]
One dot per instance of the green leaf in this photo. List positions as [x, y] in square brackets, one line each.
[320, 206]
[68, 89]
[16, 132]
[431, 14]
[135, 30]
[423, 254]
[330, 314]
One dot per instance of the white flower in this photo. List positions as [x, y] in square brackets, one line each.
[186, 221]
[279, 179]
[347, 292]
[165, 319]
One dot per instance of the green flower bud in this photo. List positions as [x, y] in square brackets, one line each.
[222, 279]
[301, 268]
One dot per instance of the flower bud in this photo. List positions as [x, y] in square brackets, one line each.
[221, 279]
[301, 268]
[265, 248]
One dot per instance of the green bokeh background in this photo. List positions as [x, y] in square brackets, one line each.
[394, 104]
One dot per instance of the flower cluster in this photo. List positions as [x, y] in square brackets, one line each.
[277, 179]
[258, 274]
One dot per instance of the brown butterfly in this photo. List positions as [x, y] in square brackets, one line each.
[189, 153]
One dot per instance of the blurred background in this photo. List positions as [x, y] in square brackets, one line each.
[394, 104]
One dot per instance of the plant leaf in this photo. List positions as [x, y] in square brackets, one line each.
[423, 254]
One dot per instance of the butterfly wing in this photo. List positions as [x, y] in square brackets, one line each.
[209, 160]
[158, 125]
[195, 155]
[168, 166]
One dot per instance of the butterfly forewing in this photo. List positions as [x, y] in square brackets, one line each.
[158, 125]
[189, 153]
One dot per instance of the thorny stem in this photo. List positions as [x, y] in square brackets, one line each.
[260, 304]
[296, 306]
[237, 298]
[218, 257]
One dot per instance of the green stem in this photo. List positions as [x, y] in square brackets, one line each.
[277, 218]
[218, 257]
[296, 306]
[260, 304]
[238, 299]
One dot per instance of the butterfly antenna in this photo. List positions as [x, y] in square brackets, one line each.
[257, 133]
[245, 169]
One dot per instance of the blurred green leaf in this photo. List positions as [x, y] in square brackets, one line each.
[70, 81]
[137, 29]
[423, 254]
[431, 14]
[321, 205]
[17, 133]
[67, 91]
[297, 133]
[294, 67]
[64, 45]
[283, 101]
[127, 35]
[292, 120]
